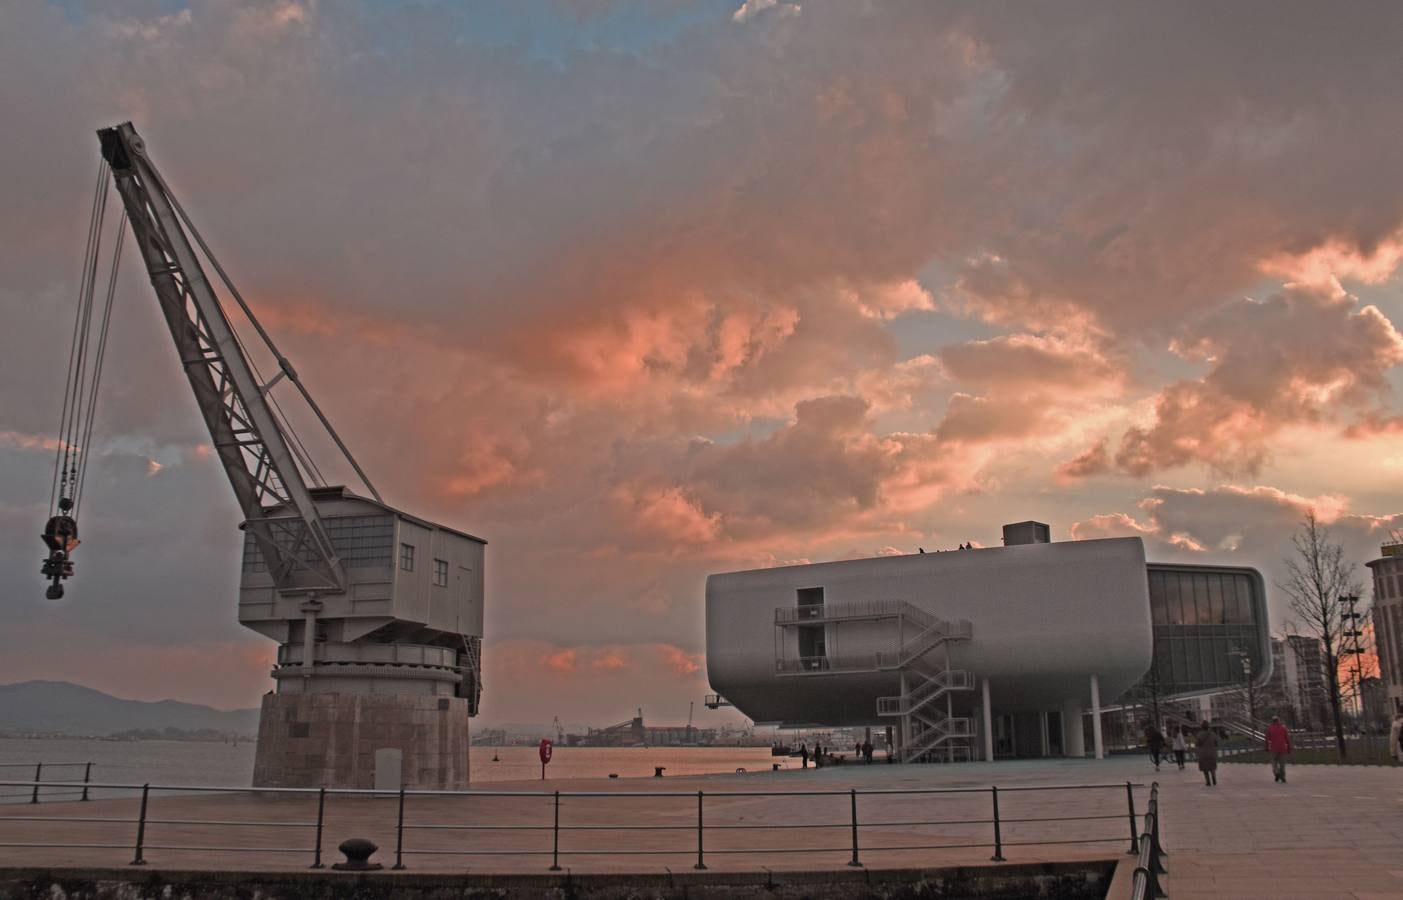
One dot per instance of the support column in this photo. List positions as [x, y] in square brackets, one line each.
[1042, 731]
[309, 635]
[905, 740]
[1096, 717]
[988, 724]
[1073, 744]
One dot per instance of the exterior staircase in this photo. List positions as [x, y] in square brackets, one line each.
[930, 730]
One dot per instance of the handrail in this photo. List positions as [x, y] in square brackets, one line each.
[854, 609]
[1148, 866]
[34, 795]
[552, 831]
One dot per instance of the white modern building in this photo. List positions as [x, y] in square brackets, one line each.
[981, 653]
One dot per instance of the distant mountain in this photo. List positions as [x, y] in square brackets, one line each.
[58, 706]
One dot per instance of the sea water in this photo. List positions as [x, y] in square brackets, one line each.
[215, 764]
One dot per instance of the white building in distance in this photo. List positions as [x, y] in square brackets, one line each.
[962, 652]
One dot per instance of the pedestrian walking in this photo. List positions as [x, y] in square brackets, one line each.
[1155, 741]
[867, 752]
[1206, 749]
[803, 756]
[1395, 738]
[818, 756]
[1181, 746]
[1278, 742]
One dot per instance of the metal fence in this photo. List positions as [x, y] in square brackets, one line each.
[853, 825]
[63, 788]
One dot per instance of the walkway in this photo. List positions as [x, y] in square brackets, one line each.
[1332, 832]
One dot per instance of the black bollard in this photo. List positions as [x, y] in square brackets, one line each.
[358, 852]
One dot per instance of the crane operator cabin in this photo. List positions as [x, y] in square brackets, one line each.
[377, 612]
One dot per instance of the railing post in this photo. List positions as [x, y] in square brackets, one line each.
[87, 776]
[854, 861]
[998, 831]
[555, 846]
[38, 777]
[1134, 835]
[321, 818]
[701, 861]
[1154, 808]
[138, 860]
[399, 832]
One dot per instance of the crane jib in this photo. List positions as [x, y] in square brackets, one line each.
[268, 465]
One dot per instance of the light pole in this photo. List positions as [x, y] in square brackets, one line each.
[1245, 660]
[1350, 645]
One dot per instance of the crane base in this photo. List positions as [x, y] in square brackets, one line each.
[315, 740]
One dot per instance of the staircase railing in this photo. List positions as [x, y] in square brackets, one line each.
[934, 687]
[937, 732]
[935, 634]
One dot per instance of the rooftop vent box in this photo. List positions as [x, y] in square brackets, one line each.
[1026, 533]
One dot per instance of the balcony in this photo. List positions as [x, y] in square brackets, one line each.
[786, 616]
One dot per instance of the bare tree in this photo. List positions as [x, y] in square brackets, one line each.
[1317, 576]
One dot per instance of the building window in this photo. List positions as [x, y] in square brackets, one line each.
[441, 573]
[406, 557]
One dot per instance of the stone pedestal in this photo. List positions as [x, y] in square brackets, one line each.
[330, 740]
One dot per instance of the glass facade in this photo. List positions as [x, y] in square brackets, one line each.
[1206, 620]
[360, 541]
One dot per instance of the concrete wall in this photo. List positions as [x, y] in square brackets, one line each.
[322, 739]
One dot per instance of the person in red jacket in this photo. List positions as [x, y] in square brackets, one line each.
[1278, 745]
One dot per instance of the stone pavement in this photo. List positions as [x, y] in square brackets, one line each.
[1331, 832]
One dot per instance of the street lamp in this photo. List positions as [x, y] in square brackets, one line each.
[1245, 660]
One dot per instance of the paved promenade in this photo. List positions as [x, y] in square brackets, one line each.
[1331, 832]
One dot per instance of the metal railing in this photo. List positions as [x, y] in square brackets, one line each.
[854, 609]
[974, 811]
[57, 788]
[1149, 866]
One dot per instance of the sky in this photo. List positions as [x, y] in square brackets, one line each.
[642, 291]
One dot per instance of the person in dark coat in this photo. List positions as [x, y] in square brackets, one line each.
[803, 756]
[1155, 741]
[867, 752]
[1206, 749]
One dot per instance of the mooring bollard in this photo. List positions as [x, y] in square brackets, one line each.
[357, 852]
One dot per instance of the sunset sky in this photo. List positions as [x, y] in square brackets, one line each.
[641, 291]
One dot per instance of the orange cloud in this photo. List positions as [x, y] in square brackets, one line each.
[561, 660]
[680, 661]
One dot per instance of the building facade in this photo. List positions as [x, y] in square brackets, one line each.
[1387, 571]
[1297, 691]
[980, 653]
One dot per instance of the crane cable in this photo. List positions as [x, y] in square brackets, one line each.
[87, 352]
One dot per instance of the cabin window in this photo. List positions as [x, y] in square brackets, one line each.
[406, 557]
[441, 573]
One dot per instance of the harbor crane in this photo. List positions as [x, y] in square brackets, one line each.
[377, 612]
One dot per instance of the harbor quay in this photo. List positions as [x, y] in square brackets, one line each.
[1331, 832]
